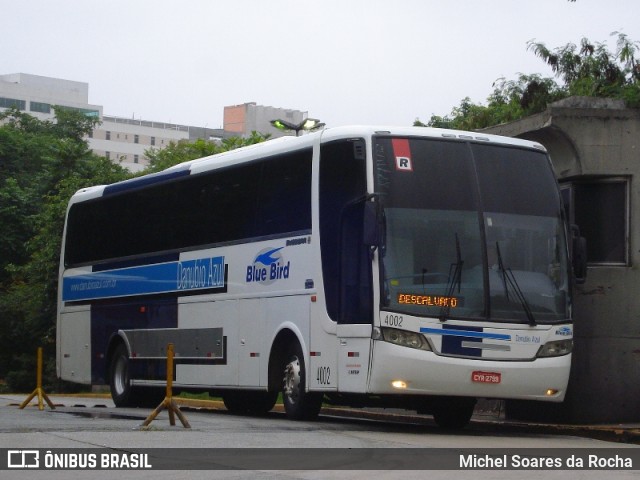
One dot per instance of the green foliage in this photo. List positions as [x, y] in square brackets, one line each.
[588, 70]
[184, 150]
[510, 100]
[42, 164]
[591, 70]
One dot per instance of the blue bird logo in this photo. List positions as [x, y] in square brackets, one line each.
[266, 258]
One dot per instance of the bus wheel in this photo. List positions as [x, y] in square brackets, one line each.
[455, 413]
[261, 403]
[298, 403]
[121, 390]
[235, 402]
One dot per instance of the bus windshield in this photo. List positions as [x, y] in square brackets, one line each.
[473, 231]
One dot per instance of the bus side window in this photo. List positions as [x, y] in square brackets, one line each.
[345, 262]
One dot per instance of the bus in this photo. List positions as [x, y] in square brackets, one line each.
[413, 268]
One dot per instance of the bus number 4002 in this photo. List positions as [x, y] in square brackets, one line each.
[324, 375]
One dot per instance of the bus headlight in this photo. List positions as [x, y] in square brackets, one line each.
[556, 348]
[405, 339]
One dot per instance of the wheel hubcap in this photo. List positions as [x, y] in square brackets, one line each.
[120, 376]
[292, 379]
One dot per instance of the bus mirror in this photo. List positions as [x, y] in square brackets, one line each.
[578, 255]
[371, 230]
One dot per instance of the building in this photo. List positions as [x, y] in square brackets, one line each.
[594, 144]
[126, 140]
[122, 140]
[36, 95]
[243, 119]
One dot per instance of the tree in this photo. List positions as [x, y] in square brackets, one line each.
[184, 150]
[42, 164]
[510, 100]
[591, 71]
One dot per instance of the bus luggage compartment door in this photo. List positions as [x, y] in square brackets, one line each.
[75, 341]
[353, 357]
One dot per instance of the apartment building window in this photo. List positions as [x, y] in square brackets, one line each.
[39, 107]
[108, 137]
[136, 139]
[13, 103]
[153, 141]
[600, 208]
[84, 111]
[108, 155]
[135, 159]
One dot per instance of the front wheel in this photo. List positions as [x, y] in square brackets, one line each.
[249, 402]
[298, 403]
[455, 413]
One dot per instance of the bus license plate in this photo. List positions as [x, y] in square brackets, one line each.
[486, 377]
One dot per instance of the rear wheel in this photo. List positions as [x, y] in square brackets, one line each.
[298, 403]
[122, 392]
[119, 380]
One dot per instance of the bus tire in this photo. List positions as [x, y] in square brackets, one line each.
[455, 413]
[261, 403]
[249, 402]
[298, 403]
[122, 392]
[235, 402]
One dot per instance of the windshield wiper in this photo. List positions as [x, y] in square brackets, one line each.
[455, 278]
[509, 279]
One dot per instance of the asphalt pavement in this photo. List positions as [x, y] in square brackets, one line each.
[485, 418]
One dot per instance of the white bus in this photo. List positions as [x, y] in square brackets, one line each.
[409, 267]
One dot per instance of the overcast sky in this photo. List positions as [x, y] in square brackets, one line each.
[342, 61]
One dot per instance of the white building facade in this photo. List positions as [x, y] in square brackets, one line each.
[126, 140]
[122, 140]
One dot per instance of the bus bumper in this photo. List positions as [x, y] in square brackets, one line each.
[401, 370]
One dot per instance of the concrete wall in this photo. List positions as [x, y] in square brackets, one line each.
[589, 137]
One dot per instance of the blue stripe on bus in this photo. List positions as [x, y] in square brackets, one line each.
[465, 333]
[186, 276]
[146, 181]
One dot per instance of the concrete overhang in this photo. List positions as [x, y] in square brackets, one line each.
[550, 128]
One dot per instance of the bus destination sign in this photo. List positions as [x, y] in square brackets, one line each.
[430, 300]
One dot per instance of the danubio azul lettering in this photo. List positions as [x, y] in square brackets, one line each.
[200, 273]
[197, 274]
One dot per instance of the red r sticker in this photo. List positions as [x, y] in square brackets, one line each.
[402, 154]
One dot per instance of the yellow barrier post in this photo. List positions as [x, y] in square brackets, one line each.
[169, 403]
[38, 391]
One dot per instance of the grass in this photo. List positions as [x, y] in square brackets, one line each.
[206, 396]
